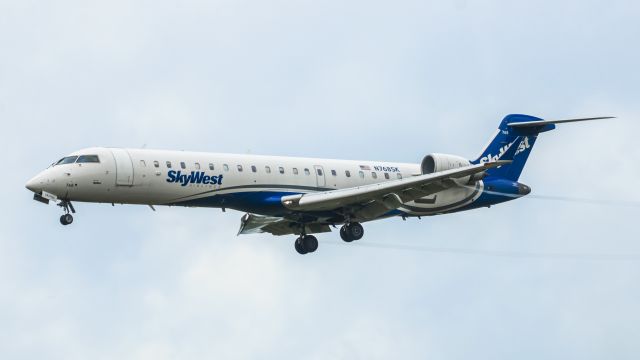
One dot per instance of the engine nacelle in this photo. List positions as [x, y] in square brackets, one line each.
[433, 163]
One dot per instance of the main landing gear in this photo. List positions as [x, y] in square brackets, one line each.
[306, 244]
[67, 218]
[351, 231]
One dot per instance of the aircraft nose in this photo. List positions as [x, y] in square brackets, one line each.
[34, 184]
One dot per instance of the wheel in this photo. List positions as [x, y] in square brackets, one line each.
[66, 219]
[310, 243]
[299, 245]
[344, 234]
[355, 231]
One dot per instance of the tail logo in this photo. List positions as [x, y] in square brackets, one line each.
[501, 152]
[524, 145]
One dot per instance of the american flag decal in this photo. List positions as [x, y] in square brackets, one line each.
[365, 167]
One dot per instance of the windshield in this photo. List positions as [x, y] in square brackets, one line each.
[88, 159]
[67, 160]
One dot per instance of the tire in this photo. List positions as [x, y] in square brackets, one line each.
[299, 245]
[355, 231]
[66, 219]
[344, 234]
[310, 243]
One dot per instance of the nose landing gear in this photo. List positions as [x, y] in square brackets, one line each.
[67, 218]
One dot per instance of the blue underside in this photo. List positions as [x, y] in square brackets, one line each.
[269, 202]
[257, 202]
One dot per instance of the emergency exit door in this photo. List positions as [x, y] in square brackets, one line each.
[320, 179]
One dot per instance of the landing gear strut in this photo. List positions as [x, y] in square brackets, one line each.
[351, 231]
[67, 218]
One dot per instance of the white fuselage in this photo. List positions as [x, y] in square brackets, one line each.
[249, 183]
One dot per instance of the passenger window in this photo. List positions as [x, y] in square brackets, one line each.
[168, 164]
[239, 168]
[295, 171]
[183, 165]
[386, 176]
[267, 170]
[197, 166]
[225, 167]
[374, 175]
[319, 171]
[361, 173]
[399, 176]
[88, 159]
[281, 170]
[211, 167]
[334, 173]
[347, 173]
[253, 168]
[143, 163]
[67, 160]
[156, 163]
[307, 172]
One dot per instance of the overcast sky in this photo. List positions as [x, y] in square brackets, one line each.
[339, 79]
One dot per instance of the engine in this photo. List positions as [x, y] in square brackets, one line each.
[434, 163]
[440, 162]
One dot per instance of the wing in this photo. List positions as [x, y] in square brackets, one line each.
[370, 201]
[253, 224]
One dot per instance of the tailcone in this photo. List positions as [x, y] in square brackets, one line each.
[523, 189]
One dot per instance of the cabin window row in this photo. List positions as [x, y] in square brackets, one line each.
[267, 169]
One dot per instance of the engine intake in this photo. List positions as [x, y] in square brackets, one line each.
[433, 163]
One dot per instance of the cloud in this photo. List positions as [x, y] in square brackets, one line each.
[364, 80]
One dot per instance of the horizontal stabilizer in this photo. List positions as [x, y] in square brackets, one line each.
[527, 124]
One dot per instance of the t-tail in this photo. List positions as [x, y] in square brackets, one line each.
[514, 141]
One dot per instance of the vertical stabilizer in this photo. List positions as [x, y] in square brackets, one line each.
[512, 143]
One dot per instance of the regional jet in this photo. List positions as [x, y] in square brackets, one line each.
[297, 196]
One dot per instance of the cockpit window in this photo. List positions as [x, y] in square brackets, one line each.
[88, 159]
[67, 160]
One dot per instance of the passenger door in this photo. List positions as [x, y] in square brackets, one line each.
[124, 167]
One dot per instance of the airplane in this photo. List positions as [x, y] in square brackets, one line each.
[298, 196]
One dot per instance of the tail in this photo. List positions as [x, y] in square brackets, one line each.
[514, 141]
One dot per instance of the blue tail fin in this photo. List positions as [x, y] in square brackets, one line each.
[512, 143]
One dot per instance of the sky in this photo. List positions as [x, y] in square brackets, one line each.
[370, 80]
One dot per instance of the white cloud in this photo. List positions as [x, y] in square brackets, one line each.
[333, 79]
